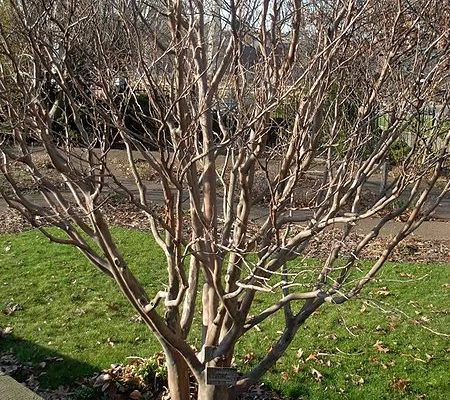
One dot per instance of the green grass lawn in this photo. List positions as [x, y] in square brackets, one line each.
[381, 346]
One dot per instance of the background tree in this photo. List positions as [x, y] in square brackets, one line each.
[235, 121]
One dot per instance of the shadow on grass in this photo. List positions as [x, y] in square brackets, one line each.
[23, 359]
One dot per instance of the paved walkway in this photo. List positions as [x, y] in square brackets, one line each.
[438, 229]
[429, 230]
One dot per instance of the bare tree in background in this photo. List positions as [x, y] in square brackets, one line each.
[232, 104]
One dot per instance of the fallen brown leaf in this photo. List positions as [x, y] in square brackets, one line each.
[380, 347]
[249, 358]
[317, 375]
[299, 354]
[399, 385]
[392, 326]
[312, 356]
[285, 376]
[11, 308]
[5, 331]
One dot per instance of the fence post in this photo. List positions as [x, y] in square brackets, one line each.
[384, 175]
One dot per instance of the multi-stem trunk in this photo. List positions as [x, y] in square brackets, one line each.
[212, 392]
[177, 375]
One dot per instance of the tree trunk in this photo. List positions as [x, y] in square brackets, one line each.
[211, 392]
[177, 375]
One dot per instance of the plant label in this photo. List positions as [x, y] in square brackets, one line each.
[221, 376]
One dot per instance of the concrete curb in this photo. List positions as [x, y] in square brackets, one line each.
[10, 389]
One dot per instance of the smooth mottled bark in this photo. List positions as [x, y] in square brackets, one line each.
[249, 129]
